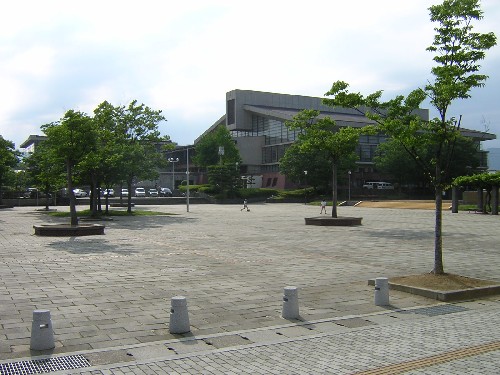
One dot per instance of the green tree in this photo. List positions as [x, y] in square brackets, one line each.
[297, 160]
[392, 158]
[9, 157]
[459, 51]
[207, 149]
[323, 135]
[483, 181]
[44, 170]
[225, 179]
[137, 138]
[69, 140]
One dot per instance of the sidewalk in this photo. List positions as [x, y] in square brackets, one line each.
[110, 294]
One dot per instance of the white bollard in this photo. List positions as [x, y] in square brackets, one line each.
[290, 303]
[381, 291]
[179, 318]
[42, 336]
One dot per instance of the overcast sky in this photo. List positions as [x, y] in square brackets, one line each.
[182, 57]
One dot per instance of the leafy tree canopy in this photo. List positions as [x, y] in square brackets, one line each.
[207, 149]
[458, 53]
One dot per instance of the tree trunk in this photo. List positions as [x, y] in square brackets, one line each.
[438, 230]
[494, 207]
[129, 198]
[72, 199]
[454, 199]
[334, 198]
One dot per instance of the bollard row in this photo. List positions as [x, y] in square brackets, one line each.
[42, 335]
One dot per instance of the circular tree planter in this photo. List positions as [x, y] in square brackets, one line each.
[68, 230]
[344, 221]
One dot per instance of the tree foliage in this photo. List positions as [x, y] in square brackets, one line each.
[458, 53]
[207, 149]
[321, 134]
[392, 158]
[482, 181]
[44, 170]
[9, 157]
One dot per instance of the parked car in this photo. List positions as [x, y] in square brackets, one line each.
[378, 185]
[140, 192]
[109, 192]
[124, 192]
[165, 192]
[79, 193]
[153, 192]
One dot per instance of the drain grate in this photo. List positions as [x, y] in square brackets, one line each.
[436, 310]
[40, 366]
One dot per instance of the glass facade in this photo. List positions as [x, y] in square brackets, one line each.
[278, 138]
[367, 147]
[274, 131]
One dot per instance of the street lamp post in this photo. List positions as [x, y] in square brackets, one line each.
[187, 179]
[349, 174]
[221, 154]
[173, 161]
[305, 188]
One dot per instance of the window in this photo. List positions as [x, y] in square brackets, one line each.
[231, 112]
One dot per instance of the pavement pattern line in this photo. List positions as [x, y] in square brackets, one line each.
[113, 291]
[401, 368]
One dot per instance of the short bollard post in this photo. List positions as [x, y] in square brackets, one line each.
[381, 291]
[179, 318]
[42, 336]
[290, 303]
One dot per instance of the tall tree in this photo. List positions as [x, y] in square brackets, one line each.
[313, 167]
[70, 139]
[9, 157]
[45, 171]
[459, 51]
[207, 149]
[137, 140]
[392, 158]
[323, 135]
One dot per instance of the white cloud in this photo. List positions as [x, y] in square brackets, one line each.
[182, 57]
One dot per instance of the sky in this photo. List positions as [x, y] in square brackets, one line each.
[182, 57]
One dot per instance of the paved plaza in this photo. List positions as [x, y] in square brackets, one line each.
[109, 296]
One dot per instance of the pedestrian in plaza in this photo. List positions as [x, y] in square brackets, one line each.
[245, 206]
[323, 206]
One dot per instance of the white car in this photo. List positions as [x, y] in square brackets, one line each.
[153, 192]
[140, 192]
[109, 193]
[124, 192]
[79, 193]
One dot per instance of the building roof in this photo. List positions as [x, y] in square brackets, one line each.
[33, 139]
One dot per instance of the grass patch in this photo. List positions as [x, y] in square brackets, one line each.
[87, 213]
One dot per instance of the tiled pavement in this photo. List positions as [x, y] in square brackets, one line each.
[109, 295]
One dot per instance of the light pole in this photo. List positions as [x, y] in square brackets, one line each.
[173, 161]
[305, 188]
[187, 179]
[221, 154]
[349, 174]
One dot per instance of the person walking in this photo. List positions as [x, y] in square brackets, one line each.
[245, 206]
[323, 206]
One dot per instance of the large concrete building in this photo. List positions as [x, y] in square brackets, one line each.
[256, 121]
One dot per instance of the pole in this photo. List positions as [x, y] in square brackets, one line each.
[349, 173]
[187, 176]
[173, 161]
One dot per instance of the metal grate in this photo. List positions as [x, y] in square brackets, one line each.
[40, 366]
[436, 310]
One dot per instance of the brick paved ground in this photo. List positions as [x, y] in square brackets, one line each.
[113, 291]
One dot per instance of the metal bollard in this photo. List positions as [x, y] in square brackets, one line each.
[179, 318]
[381, 291]
[290, 303]
[42, 336]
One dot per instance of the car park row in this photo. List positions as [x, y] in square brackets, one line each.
[138, 192]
